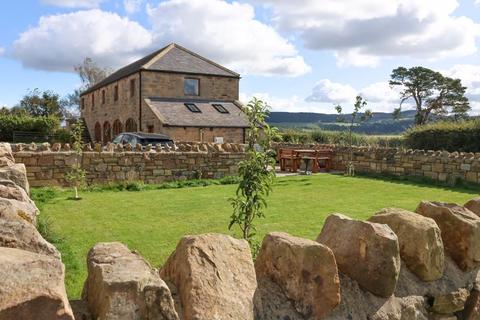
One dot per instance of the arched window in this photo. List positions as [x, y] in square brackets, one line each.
[107, 132]
[98, 132]
[117, 127]
[130, 125]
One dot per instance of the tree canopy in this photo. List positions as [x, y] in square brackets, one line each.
[432, 93]
[41, 104]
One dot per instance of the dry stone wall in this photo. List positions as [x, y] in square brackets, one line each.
[46, 166]
[398, 265]
[441, 166]
[31, 272]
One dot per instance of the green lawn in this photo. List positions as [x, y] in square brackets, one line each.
[153, 221]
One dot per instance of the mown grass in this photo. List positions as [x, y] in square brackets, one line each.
[153, 220]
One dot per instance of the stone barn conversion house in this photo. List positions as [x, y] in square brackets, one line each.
[172, 91]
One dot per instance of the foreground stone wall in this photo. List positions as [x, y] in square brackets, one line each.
[398, 265]
[31, 272]
[437, 165]
[186, 161]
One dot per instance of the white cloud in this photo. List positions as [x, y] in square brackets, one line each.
[2, 51]
[361, 32]
[61, 41]
[379, 96]
[73, 3]
[227, 33]
[470, 76]
[132, 6]
[288, 104]
[332, 92]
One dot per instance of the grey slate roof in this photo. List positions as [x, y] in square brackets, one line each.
[172, 58]
[173, 112]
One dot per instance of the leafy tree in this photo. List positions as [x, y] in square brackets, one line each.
[41, 104]
[256, 172]
[90, 73]
[76, 175]
[432, 92]
[360, 103]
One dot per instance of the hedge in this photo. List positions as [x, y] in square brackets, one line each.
[445, 135]
[339, 137]
[41, 125]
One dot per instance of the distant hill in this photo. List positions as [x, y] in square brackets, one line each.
[311, 117]
[380, 123]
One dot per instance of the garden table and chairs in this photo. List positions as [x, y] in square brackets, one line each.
[291, 159]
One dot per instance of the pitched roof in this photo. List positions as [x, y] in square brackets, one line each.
[173, 112]
[172, 58]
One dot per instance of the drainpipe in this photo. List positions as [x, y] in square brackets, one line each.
[140, 101]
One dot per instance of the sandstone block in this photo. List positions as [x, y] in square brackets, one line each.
[16, 173]
[32, 287]
[9, 190]
[20, 234]
[474, 205]
[366, 252]
[305, 271]
[25, 210]
[122, 285]
[451, 302]
[6, 151]
[460, 231]
[419, 239]
[214, 277]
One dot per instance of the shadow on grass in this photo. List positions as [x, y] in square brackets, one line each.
[459, 186]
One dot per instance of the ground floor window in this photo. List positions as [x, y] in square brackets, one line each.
[130, 125]
[107, 132]
[117, 127]
[98, 132]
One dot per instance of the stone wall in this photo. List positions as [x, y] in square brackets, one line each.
[437, 165]
[398, 265]
[32, 274]
[188, 161]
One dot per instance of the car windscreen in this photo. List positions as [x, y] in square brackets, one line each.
[155, 141]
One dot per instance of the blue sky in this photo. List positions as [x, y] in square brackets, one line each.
[303, 55]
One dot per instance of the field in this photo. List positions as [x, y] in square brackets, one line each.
[153, 221]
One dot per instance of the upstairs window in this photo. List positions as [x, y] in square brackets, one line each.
[93, 100]
[132, 87]
[192, 107]
[83, 103]
[103, 96]
[115, 93]
[191, 87]
[220, 108]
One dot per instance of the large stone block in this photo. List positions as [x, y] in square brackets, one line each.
[6, 152]
[121, 285]
[474, 205]
[460, 231]
[305, 271]
[32, 287]
[16, 173]
[18, 233]
[214, 277]
[367, 252]
[25, 210]
[9, 190]
[419, 239]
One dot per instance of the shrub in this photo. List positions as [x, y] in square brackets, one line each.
[445, 135]
[340, 138]
[43, 125]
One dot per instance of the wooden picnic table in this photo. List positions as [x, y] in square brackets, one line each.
[306, 155]
[290, 159]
